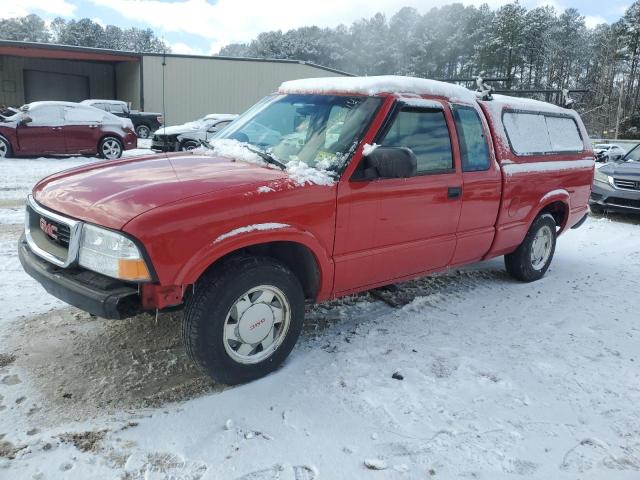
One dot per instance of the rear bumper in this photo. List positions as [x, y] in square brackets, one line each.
[91, 292]
[615, 199]
[130, 141]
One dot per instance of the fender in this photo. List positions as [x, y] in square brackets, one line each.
[553, 196]
[238, 239]
[508, 236]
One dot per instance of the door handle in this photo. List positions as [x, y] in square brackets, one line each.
[93, 126]
[454, 192]
[56, 128]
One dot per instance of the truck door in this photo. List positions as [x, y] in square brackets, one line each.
[43, 134]
[482, 185]
[388, 229]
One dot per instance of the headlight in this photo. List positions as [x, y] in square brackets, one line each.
[601, 177]
[112, 254]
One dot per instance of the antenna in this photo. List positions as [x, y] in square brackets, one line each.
[164, 106]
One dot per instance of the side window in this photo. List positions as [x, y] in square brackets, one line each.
[46, 116]
[474, 150]
[426, 133]
[79, 115]
[101, 106]
[116, 108]
[538, 133]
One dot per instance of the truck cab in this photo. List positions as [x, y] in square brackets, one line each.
[326, 188]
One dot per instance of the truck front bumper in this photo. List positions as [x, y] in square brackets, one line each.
[91, 292]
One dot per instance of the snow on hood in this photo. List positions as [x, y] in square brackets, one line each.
[378, 84]
[178, 129]
[298, 171]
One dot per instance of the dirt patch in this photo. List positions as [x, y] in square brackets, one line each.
[83, 367]
[6, 359]
[84, 441]
[9, 450]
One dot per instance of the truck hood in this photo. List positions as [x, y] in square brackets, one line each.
[177, 129]
[112, 193]
[621, 169]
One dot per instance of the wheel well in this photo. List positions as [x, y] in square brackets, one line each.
[110, 135]
[299, 258]
[559, 211]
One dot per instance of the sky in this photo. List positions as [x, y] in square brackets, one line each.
[202, 27]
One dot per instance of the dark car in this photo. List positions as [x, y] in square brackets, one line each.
[143, 122]
[616, 185]
[64, 128]
[189, 135]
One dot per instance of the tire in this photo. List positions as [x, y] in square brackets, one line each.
[213, 328]
[110, 148]
[5, 148]
[531, 259]
[143, 131]
[189, 145]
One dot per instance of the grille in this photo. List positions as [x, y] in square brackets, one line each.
[62, 233]
[51, 236]
[628, 184]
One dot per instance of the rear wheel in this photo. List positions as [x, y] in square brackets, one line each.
[143, 131]
[243, 319]
[110, 148]
[5, 148]
[532, 258]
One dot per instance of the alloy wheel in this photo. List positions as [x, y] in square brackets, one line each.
[256, 324]
[111, 149]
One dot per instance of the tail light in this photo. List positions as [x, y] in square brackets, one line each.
[160, 119]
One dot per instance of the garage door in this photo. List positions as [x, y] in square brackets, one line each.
[40, 85]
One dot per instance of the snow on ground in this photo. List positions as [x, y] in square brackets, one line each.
[493, 379]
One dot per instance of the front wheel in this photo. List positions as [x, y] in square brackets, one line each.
[189, 145]
[243, 319]
[110, 148]
[532, 258]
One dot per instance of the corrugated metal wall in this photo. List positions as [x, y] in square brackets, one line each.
[195, 87]
[100, 76]
[128, 83]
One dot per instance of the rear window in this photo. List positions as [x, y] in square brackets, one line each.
[532, 133]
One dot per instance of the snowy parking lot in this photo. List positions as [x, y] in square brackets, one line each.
[467, 374]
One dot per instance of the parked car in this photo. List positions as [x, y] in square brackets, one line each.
[191, 134]
[143, 122]
[616, 185]
[606, 152]
[421, 176]
[7, 112]
[65, 128]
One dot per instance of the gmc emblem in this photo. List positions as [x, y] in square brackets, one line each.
[50, 230]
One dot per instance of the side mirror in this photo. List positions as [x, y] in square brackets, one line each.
[25, 120]
[391, 162]
[616, 157]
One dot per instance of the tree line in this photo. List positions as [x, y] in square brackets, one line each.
[535, 49]
[82, 33]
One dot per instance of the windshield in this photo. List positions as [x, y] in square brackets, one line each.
[633, 155]
[318, 130]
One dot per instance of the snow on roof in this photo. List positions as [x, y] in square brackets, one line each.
[378, 84]
[54, 103]
[500, 101]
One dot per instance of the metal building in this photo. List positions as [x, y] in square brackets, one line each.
[193, 85]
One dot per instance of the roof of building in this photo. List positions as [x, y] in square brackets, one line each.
[53, 50]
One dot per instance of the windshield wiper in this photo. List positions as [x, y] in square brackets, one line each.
[267, 157]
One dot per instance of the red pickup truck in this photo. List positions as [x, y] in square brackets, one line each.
[328, 187]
